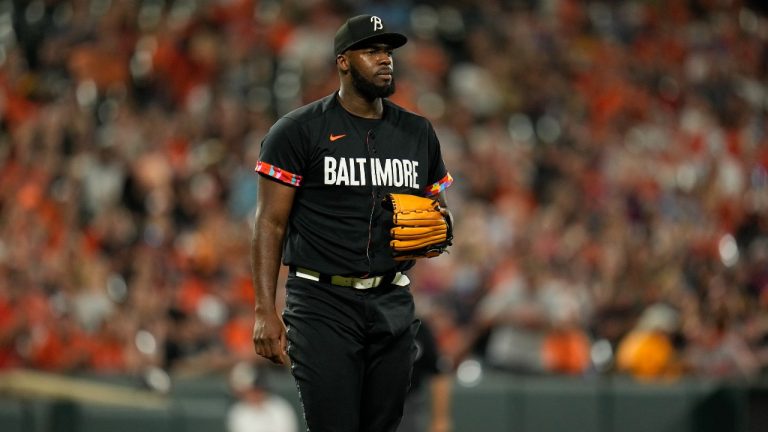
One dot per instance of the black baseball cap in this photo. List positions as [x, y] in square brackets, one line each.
[365, 28]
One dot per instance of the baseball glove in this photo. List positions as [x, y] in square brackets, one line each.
[422, 229]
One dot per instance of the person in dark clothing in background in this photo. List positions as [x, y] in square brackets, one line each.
[427, 406]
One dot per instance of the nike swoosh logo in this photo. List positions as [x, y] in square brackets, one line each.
[335, 137]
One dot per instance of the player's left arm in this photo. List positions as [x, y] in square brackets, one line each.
[443, 200]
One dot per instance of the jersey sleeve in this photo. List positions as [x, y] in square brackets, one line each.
[281, 157]
[439, 177]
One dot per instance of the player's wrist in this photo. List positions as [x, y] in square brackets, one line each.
[264, 309]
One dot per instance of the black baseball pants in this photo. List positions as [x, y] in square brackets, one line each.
[351, 353]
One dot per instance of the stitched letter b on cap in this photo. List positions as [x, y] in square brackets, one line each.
[377, 25]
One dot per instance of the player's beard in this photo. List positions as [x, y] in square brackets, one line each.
[368, 89]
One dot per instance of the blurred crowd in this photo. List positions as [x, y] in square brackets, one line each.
[610, 162]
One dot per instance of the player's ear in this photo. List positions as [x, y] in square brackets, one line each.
[342, 63]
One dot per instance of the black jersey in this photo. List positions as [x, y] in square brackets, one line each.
[342, 166]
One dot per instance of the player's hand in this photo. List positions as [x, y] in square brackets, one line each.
[269, 338]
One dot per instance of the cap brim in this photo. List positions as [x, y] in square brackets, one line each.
[394, 40]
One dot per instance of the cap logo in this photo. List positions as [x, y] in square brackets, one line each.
[377, 25]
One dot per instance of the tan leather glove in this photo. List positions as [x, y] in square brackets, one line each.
[422, 229]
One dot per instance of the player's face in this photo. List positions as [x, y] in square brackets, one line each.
[371, 69]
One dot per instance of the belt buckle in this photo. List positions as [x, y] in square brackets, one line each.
[352, 282]
[360, 283]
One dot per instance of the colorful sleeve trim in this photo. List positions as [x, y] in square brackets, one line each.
[277, 173]
[440, 186]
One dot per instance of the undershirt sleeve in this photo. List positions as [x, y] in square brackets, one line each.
[281, 156]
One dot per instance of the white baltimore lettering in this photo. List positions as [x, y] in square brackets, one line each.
[353, 181]
[373, 171]
[407, 180]
[361, 168]
[383, 172]
[397, 172]
[330, 170]
[342, 175]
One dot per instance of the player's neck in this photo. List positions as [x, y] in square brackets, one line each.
[360, 106]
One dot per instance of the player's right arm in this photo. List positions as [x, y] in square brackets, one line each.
[272, 212]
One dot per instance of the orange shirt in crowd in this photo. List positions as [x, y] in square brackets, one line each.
[107, 355]
[646, 355]
[10, 320]
[566, 351]
[62, 349]
[237, 335]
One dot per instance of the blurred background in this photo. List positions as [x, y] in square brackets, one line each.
[611, 190]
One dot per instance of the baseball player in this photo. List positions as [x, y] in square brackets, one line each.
[335, 177]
